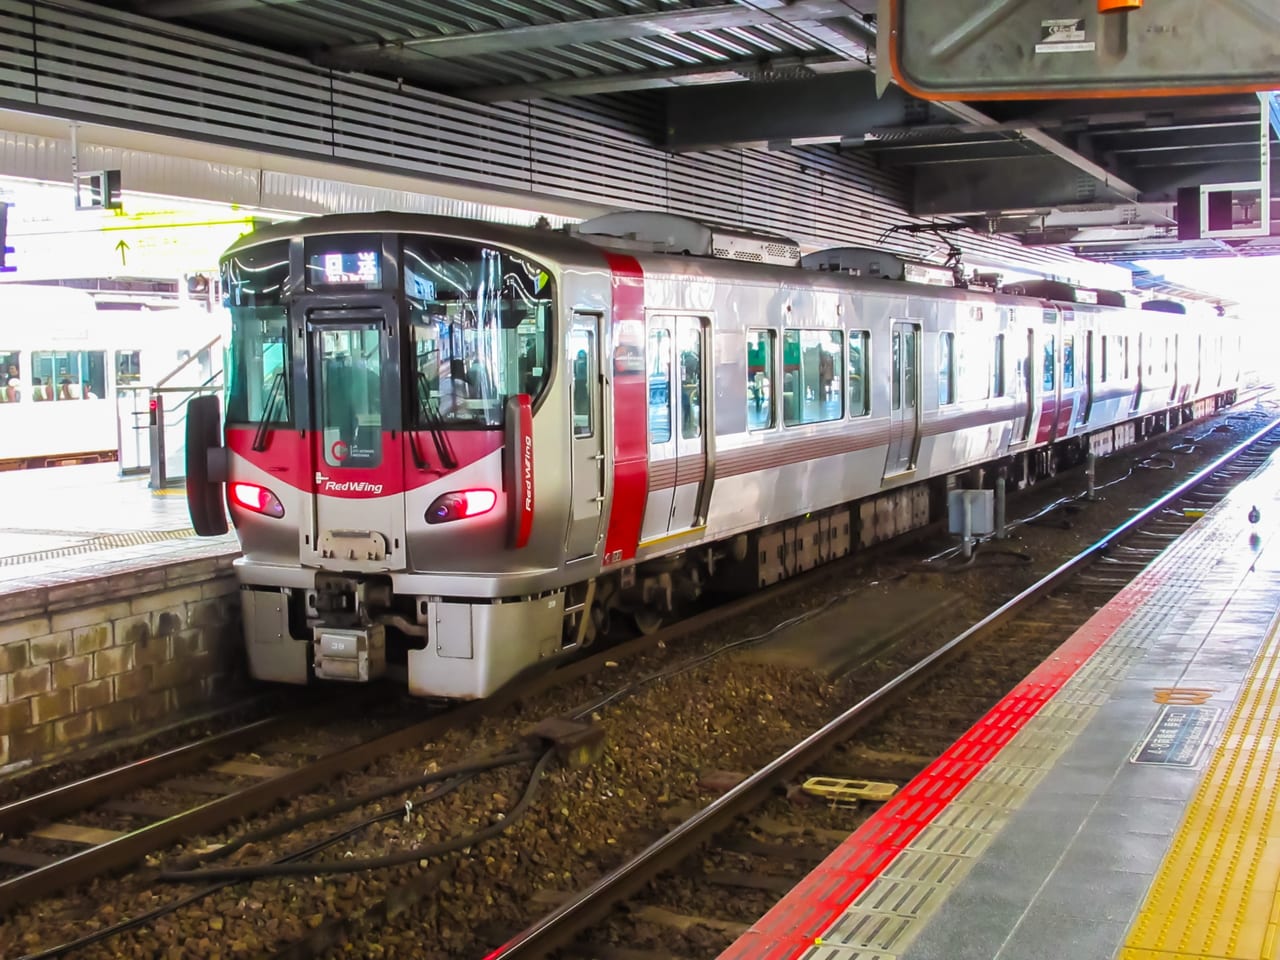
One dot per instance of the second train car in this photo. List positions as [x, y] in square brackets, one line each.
[457, 449]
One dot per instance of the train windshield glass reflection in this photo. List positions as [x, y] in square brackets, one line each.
[481, 322]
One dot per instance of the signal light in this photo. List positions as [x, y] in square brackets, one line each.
[258, 499]
[460, 504]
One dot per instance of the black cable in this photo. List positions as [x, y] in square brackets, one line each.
[311, 868]
[460, 770]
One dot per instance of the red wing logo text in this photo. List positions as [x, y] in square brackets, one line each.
[527, 467]
[347, 486]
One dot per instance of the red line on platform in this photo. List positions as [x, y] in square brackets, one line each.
[796, 922]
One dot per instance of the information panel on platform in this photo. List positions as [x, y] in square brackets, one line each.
[1014, 49]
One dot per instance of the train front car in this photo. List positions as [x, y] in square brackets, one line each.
[397, 488]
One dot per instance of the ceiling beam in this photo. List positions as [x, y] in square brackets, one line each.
[174, 9]
[833, 107]
[992, 186]
[542, 36]
[736, 72]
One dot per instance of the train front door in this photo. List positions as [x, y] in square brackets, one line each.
[904, 427]
[356, 441]
[586, 459]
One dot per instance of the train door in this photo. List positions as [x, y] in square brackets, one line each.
[1024, 378]
[692, 486]
[659, 372]
[586, 460]
[356, 443]
[1085, 407]
[904, 426]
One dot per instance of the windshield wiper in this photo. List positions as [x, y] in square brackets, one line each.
[429, 414]
[268, 411]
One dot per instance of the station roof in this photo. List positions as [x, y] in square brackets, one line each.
[1100, 175]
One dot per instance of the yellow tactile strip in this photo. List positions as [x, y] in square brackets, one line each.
[1215, 895]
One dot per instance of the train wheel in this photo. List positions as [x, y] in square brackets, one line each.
[647, 621]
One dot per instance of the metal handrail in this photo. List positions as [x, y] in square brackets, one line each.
[183, 365]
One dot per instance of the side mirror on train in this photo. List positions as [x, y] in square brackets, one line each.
[206, 466]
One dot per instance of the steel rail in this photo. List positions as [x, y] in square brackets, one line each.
[123, 851]
[558, 928]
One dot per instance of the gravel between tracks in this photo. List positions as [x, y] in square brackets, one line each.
[726, 714]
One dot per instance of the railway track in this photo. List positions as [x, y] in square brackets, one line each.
[1051, 610]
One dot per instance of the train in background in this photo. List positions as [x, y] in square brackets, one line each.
[456, 449]
[66, 366]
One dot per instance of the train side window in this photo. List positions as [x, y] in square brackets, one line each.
[946, 368]
[859, 387]
[1068, 362]
[128, 367]
[812, 376]
[69, 374]
[761, 408]
[582, 351]
[997, 368]
[1049, 350]
[10, 376]
[689, 332]
[659, 363]
[1105, 369]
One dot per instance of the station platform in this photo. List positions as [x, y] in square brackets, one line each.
[1119, 803]
[61, 524]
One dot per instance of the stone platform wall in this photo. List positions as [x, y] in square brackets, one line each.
[84, 660]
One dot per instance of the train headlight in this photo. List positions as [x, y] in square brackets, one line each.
[460, 504]
[258, 499]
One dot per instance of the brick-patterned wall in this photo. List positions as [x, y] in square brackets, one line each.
[84, 660]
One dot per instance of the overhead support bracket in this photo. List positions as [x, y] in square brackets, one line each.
[817, 109]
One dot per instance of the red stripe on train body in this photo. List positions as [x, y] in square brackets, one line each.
[630, 406]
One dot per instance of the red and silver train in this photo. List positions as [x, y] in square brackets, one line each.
[456, 449]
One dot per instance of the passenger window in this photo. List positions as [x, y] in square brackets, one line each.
[10, 368]
[859, 388]
[690, 333]
[946, 368]
[659, 385]
[69, 374]
[812, 375]
[1103, 377]
[997, 368]
[761, 412]
[582, 361]
[1068, 362]
[1048, 363]
[128, 367]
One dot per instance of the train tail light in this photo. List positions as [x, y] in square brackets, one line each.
[460, 504]
[258, 499]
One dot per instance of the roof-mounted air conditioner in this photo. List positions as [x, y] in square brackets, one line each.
[878, 264]
[670, 233]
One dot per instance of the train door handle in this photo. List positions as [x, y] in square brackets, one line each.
[599, 498]
[598, 458]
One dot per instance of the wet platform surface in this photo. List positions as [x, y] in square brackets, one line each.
[1118, 803]
[61, 524]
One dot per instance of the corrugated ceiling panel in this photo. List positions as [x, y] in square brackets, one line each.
[17, 52]
[123, 69]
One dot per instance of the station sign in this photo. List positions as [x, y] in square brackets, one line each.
[137, 245]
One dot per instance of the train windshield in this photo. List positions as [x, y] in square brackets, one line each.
[481, 322]
[258, 382]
